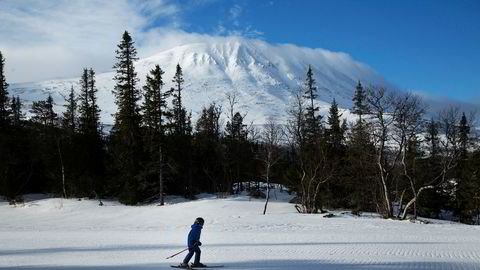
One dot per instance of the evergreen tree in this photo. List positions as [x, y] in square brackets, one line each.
[88, 109]
[360, 105]
[84, 106]
[4, 102]
[432, 139]
[90, 152]
[209, 157]
[70, 115]
[464, 131]
[126, 133]
[154, 109]
[94, 109]
[43, 112]
[127, 119]
[464, 189]
[360, 164]
[312, 121]
[180, 131]
[336, 132]
[237, 150]
[16, 108]
[180, 121]
[236, 129]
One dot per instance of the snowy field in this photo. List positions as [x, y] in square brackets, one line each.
[80, 235]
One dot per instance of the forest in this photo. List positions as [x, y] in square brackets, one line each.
[396, 159]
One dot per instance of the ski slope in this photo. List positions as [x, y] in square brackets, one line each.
[80, 235]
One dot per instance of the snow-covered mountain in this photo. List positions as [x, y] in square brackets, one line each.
[262, 75]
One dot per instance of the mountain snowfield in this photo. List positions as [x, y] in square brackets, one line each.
[68, 234]
[263, 76]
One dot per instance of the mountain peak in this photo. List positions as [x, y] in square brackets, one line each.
[262, 75]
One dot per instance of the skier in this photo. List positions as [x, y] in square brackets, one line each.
[194, 244]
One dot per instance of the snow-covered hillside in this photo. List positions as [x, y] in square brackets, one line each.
[263, 75]
[80, 235]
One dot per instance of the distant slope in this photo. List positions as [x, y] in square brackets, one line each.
[262, 74]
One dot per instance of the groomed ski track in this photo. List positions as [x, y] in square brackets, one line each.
[80, 235]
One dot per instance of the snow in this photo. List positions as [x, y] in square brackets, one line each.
[263, 75]
[53, 233]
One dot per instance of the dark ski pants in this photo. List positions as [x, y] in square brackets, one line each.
[192, 250]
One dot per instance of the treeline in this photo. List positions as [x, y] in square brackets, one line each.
[391, 159]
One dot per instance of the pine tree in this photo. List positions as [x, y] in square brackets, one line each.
[464, 131]
[43, 112]
[126, 135]
[209, 158]
[16, 108]
[432, 139]
[181, 131]
[84, 106]
[360, 105]
[237, 149]
[312, 121]
[464, 188]
[94, 109]
[336, 132]
[70, 115]
[127, 119]
[179, 117]
[4, 102]
[154, 109]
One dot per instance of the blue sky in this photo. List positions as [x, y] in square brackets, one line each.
[426, 46]
[430, 46]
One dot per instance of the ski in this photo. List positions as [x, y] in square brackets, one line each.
[210, 266]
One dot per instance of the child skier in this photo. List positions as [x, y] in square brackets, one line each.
[194, 244]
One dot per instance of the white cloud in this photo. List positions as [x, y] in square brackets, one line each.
[42, 38]
[236, 11]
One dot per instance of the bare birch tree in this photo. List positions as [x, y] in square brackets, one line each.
[270, 152]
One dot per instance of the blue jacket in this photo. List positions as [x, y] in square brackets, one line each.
[194, 235]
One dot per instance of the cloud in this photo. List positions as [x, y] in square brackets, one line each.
[44, 40]
[41, 38]
[236, 11]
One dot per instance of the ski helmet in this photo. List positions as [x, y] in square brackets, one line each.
[200, 221]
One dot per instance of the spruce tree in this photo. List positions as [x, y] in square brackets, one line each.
[16, 108]
[70, 115]
[180, 130]
[127, 94]
[464, 195]
[126, 130]
[336, 134]
[209, 158]
[43, 112]
[94, 112]
[84, 106]
[154, 109]
[432, 139]
[464, 131]
[4, 102]
[360, 106]
[179, 117]
[237, 150]
[312, 121]
[90, 141]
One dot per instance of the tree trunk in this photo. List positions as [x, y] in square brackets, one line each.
[62, 167]
[160, 175]
[268, 190]
[414, 199]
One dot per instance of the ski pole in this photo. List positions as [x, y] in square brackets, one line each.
[176, 254]
[180, 252]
